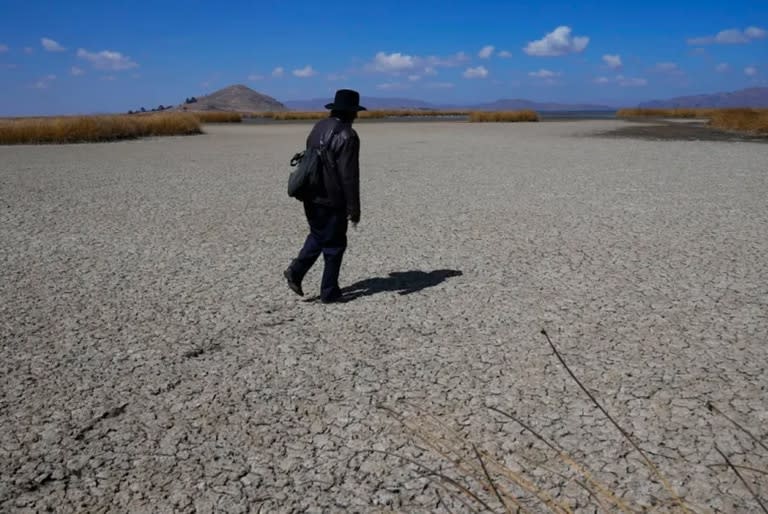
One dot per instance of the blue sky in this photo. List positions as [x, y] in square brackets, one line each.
[109, 56]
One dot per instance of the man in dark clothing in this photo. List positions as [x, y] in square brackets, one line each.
[336, 201]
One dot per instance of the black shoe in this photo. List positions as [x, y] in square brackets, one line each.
[334, 298]
[295, 287]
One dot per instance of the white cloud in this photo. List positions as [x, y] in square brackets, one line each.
[750, 71]
[278, 72]
[631, 81]
[505, 54]
[398, 63]
[456, 59]
[255, 77]
[723, 67]
[544, 74]
[107, 60]
[557, 42]
[479, 72]
[304, 72]
[3, 49]
[439, 85]
[486, 52]
[44, 82]
[334, 77]
[612, 61]
[622, 81]
[29, 50]
[414, 78]
[755, 33]
[51, 46]
[393, 62]
[730, 37]
[109, 78]
[668, 68]
[75, 71]
[392, 86]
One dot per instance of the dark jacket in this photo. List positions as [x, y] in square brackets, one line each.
[340, 187]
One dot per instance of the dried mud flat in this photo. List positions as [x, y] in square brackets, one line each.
[153, 360]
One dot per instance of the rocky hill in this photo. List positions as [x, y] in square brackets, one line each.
[237, 98]
[751, 97]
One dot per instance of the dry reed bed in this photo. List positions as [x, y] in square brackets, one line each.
[82, 129]
[218, 116]
[503, 116]
[403, 113]
[740, 120]
[374, 114]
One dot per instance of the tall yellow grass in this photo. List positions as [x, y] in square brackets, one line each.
[664, 113]
[82, 129]
[218, 116]
[741, 120]
[503, 116]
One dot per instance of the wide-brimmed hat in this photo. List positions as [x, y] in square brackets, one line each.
[346, 100]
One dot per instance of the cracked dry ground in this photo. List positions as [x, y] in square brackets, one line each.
[153, 360]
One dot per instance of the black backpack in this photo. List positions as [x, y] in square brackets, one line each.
[307, 177]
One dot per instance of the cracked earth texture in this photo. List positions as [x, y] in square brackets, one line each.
[153, 360]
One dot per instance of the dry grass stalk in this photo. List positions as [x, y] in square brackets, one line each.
[478, 469]
[452, 447]
[742, 479]
[607, 494]
[503, 116]
[623, 432]
[82, 129]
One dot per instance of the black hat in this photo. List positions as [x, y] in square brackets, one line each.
[346, 100]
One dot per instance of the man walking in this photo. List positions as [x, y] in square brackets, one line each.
[336, 200]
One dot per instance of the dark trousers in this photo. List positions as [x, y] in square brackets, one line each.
[327, 235]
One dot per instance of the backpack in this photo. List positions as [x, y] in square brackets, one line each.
[306, 178]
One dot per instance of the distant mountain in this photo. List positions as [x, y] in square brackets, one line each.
[234, 98]
[318, 104]
[518, 104]
[751, 97]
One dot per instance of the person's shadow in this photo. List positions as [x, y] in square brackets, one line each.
[402, 282]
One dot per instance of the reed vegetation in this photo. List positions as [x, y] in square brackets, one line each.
[664, 113]
[218, 116]
[503, 116]
[373, 114]
[737, 119]
[82, 129]
[740, 120]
